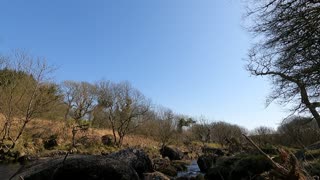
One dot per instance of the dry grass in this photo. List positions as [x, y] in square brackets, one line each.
[43, 129]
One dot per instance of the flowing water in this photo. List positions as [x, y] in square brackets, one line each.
[193, 170]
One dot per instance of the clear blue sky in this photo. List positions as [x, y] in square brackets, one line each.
[187, 55]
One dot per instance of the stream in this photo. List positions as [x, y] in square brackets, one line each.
[192, 171]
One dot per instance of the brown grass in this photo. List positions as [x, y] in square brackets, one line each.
[39, 128]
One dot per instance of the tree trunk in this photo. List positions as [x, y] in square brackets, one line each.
[305, 100]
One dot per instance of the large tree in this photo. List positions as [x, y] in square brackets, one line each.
[288, 51]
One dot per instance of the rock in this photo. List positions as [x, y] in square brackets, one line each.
[243, 167]
[164, 166]
[180, 165]
[169, 170]
[222, 168]
[26, 158]
[158, 162]
[51, 142]
[172, 154]
[80, 167]
[250, 165]
[107, 140]
[136, 158]
[205, 162]
[155, 176]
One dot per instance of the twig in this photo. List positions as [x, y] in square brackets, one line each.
[65, 157]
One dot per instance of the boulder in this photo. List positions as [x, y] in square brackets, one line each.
[165, 166]
[238, 167]
[107, 140]
[205, 162]
[171, 153]
[80, 167]
[135, 158]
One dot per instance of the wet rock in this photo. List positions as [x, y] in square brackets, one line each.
[171, 153]
[205, 162]
[164, 166]
[180, 165]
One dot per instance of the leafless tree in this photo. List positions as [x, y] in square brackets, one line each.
[25, 93]
[165, 132]
[123, 107]
[263, 135]
[79, 98]
[202, 130]
[298, 132]
[223, 132]
[288, 51]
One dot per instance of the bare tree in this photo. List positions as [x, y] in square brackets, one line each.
[288, 51]
[263, 135]
[123, 107]
[298, 132]
[79, 98]
[202, 130]
[225, 133]
[166, 126]
[25, 93]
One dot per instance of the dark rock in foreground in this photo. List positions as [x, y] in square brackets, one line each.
[126, 165]
[135, 158]
[245, 167]
[205, 162]
[80, 167]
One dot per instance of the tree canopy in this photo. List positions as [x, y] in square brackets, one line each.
[288, 51]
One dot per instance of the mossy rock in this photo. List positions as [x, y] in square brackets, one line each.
[180, 165]
[169, 171]
[239, 167]
[250, 166]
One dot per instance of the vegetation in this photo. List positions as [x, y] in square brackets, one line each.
[39, 116]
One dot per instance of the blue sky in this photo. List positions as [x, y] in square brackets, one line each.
[187, 55]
